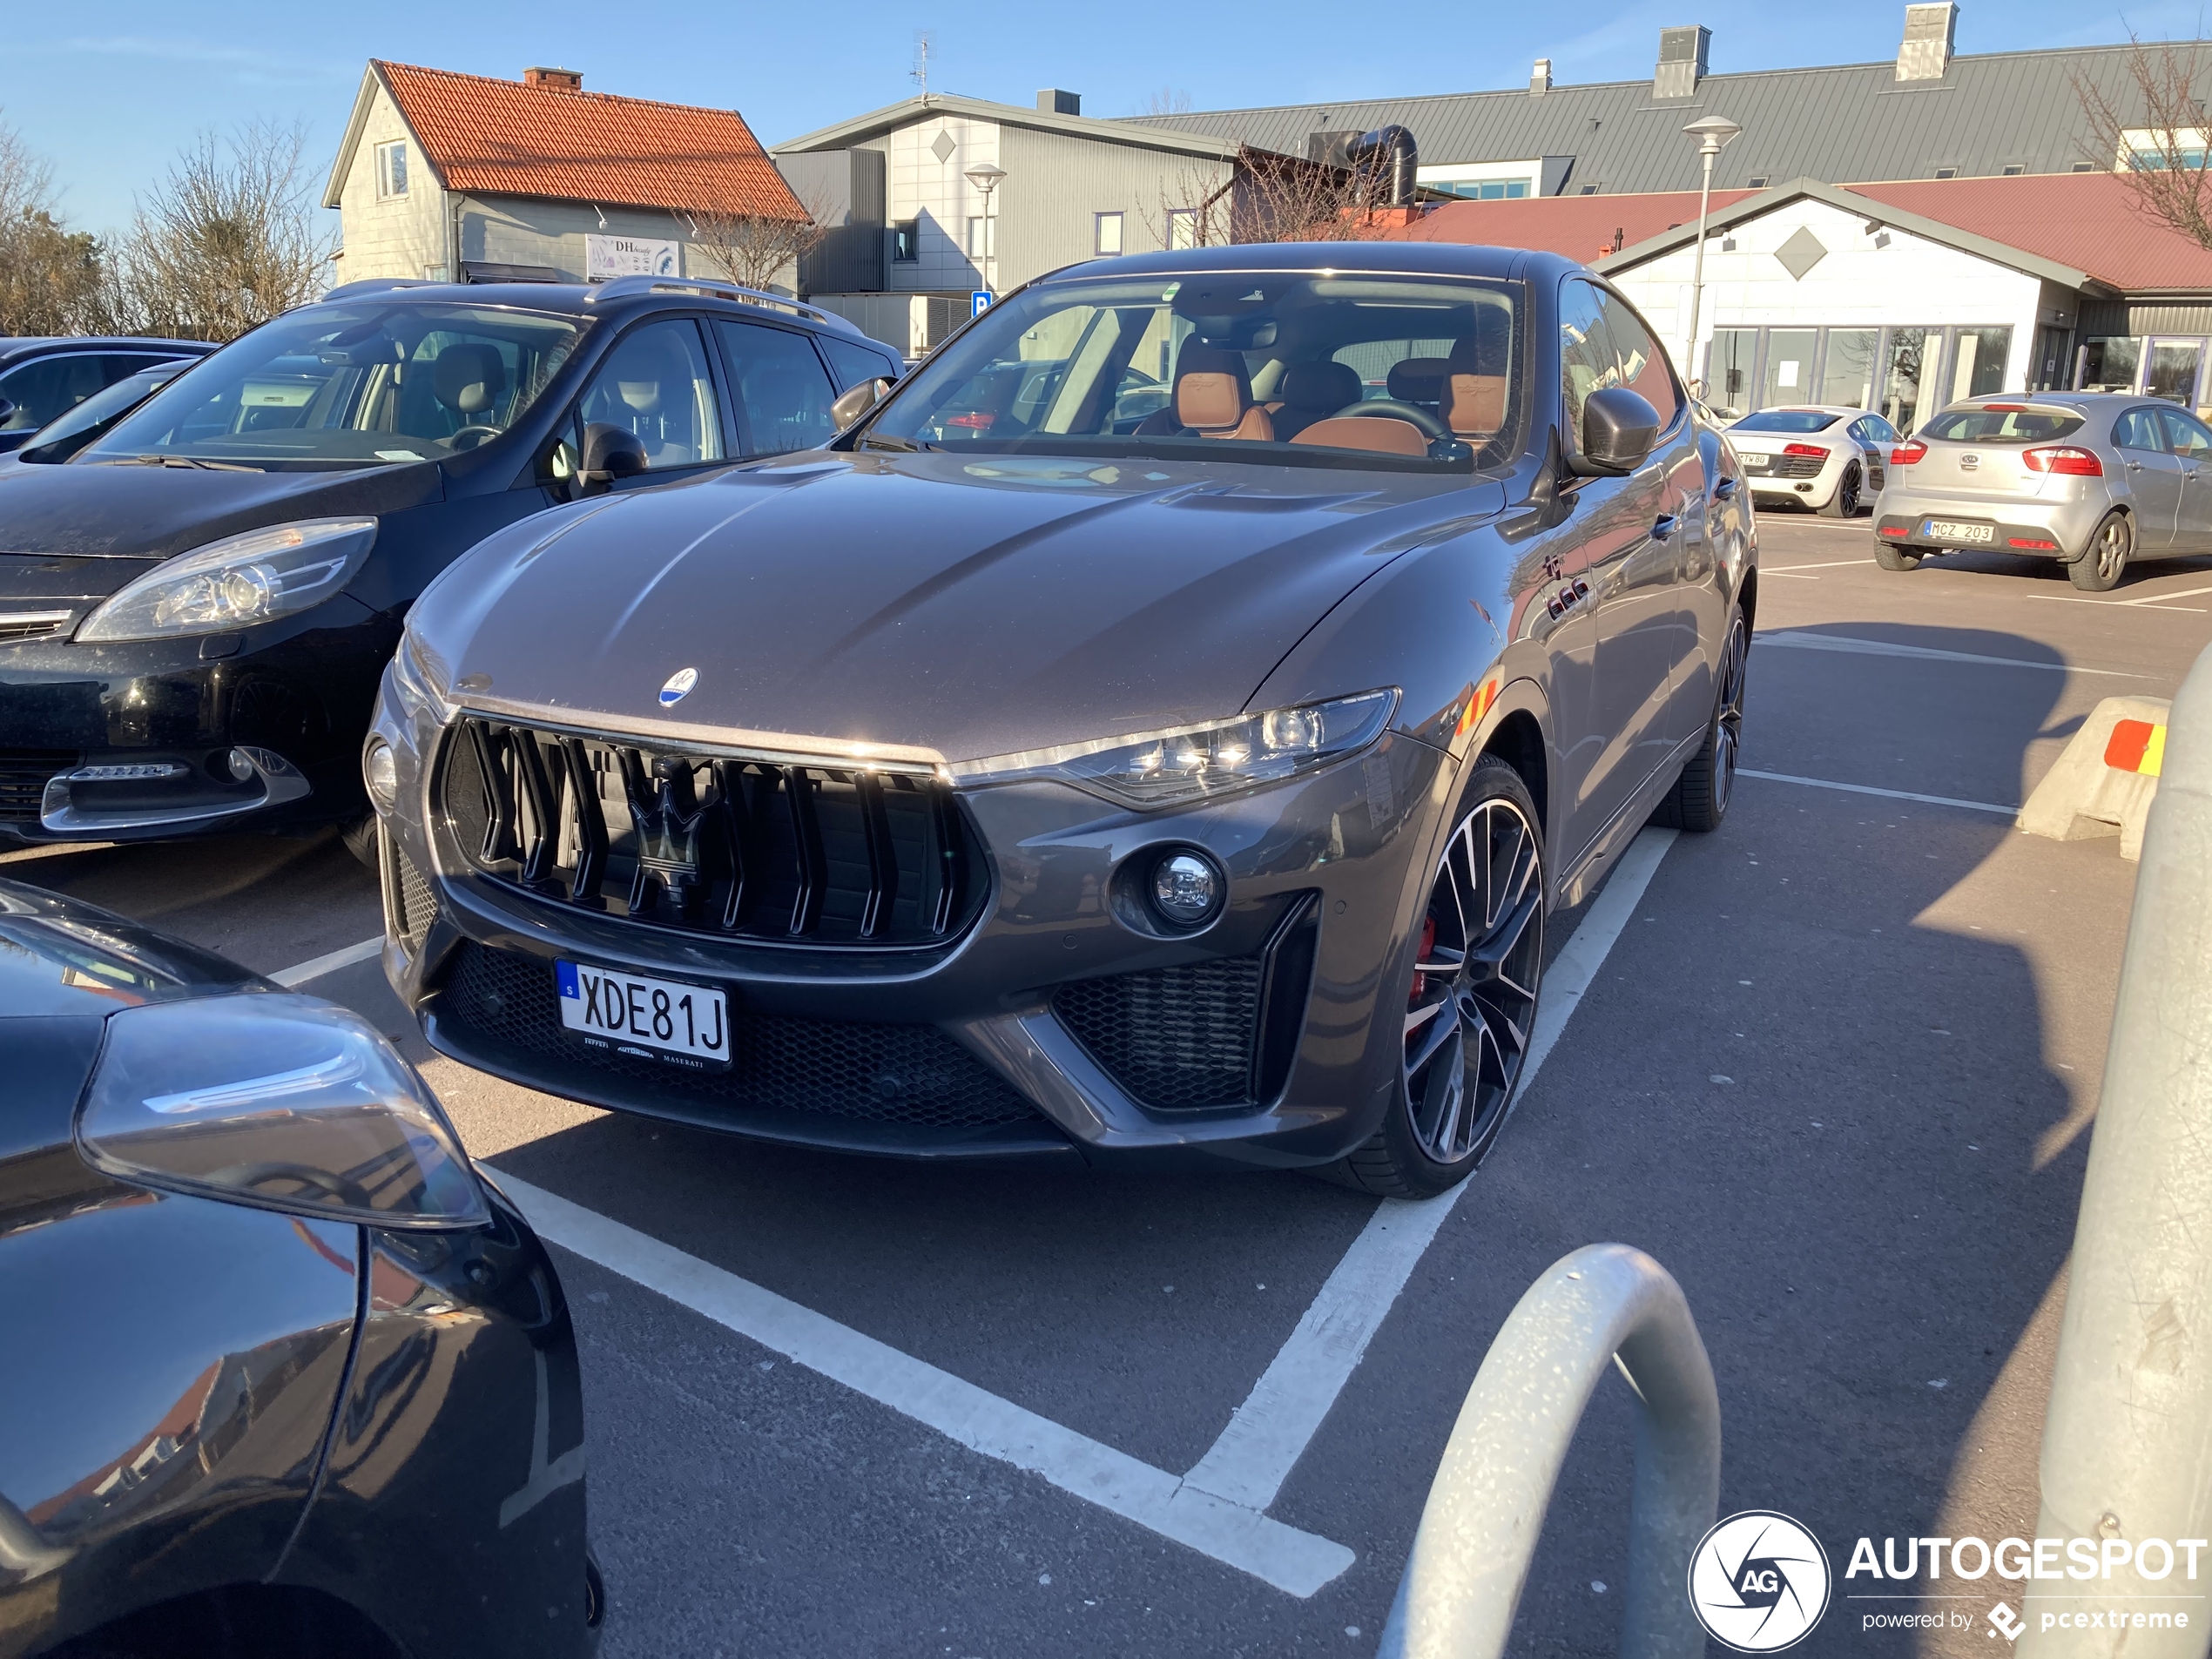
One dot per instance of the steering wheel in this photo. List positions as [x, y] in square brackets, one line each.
[483, 435]
[1390, 409]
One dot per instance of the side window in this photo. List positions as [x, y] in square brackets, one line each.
[44, 387]
[780, 386]
[1588, 361]
[2186, 435]
[2137, 429]
[1644, 365]
[122, 367]
[655, 383]
[855, 363]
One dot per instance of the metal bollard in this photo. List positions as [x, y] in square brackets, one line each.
[2127, 1437]
[1604, 1304]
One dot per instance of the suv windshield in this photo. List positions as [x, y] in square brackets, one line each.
[1311, 369]
[2001, 423]
[365, 383]
[1786, 420]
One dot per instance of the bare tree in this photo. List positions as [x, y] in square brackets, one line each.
[52, 278]
[228, 240]
[2162, 152]
[1167, 100]
[1194, 207]
[752, 249]
[1287, 199]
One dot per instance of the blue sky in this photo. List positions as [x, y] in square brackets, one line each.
[110, 94]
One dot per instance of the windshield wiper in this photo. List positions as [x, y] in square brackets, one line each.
[178, 461]
[898, 446]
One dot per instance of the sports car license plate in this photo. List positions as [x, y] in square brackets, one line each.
[1756, 463]
[658, 1018]
[1946, 530]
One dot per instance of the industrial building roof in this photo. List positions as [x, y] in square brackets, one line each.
[1845, 122]
[553, 140]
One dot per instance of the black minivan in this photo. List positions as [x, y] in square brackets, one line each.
[195, 608]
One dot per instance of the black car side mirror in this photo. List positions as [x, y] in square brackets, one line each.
[856, 400]
[1619, 426]
[609, 452]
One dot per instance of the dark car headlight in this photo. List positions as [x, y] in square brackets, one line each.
[235, 583]
[283, 1102]
[1189, 763]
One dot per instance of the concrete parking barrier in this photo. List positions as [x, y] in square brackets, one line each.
[1601, 1307]
[2105, 782]
[2127, 1437]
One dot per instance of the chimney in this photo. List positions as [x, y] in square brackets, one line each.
[1053, 101]
[1539, 78]
[555, 80]
[1682, 61]
[1929, 31]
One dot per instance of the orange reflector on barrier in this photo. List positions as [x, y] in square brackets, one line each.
[2137, 747]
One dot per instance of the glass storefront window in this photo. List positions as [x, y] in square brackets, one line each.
[1847, 373]
[1728, 378]
[1978, 362]
[2108, 364]
[1902, 368]
[1788, 378]
[2172, 374]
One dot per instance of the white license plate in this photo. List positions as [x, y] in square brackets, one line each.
[655, 1018]
[1756, 463]
[1949, 531]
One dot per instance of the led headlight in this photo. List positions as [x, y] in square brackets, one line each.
[413, 685]
[1199, 762]
[236, 582]
[283, 1102]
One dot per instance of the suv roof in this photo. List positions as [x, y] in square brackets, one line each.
[580, 299]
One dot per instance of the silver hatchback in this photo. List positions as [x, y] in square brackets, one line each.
[2093, 480]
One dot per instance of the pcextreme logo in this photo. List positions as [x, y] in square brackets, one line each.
[1758, 1582]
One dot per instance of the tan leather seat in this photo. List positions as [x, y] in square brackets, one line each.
[1419, 379]
[1312, 391]
[1474, 386]
[1213, 396]
[1381, 433]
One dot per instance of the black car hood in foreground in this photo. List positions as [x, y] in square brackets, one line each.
[923, 607]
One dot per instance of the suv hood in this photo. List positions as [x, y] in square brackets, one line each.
[923, 607]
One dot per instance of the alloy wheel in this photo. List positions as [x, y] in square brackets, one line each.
[1847, 491]
[1472, 1006]
[1728, 719]
[2112, 550]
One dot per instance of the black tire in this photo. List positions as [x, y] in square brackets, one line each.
[1844, 502]
[1895, 556]
[2099, 569]
[1699, 799]
[1455, 1085]
[360, 837]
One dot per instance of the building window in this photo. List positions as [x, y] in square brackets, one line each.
[1591, 190]
[1757, 181]
[2013, 170]
[1946, 172]
[2109, 364]
[2084, 166]
[1183, 227]
[1483, 190]
[391, 169]
[982, 237]
[906, 241]
[1978, 362]
[1106, 233]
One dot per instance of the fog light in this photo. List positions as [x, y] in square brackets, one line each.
[381, 773]
[241, 766]
[1186, 888]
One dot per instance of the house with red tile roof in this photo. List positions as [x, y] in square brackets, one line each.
[469, 177]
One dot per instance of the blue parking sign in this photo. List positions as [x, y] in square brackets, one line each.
[979, 302]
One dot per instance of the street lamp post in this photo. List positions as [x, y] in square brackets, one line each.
[1712, 134]
[985, 178]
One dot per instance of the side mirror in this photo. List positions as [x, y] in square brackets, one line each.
[856, 400]
[609, 452]
[1619, 426]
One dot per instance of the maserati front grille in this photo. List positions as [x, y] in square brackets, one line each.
[746, 849]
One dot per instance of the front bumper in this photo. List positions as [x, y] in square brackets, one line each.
[1054, 1024]
[2029, 527]
[151, 740]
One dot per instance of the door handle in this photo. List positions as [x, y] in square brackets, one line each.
[1724, 490]
[2134, 465]
[1663, 526]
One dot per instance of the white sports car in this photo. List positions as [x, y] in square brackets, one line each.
[1825, 457]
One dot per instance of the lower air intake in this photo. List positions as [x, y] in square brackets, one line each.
[1173, 1037]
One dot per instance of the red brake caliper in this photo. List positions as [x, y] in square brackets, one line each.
[1428, 945]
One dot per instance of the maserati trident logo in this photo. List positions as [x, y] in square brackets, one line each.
[678, 687]
[1758, 1582]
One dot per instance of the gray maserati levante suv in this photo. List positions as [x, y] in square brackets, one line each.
[1159, 727]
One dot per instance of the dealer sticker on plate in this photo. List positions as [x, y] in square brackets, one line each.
[1946, 530]
[657, 1018]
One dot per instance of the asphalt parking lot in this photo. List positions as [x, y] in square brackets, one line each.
[1834, 1066]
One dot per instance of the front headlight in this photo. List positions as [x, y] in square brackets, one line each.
[1200, 762]
[283, 1102]
[416, 684]
[236, 582]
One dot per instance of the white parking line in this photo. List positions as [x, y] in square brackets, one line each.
[2160, 599]
[2107, 604]
[1285, 1409]
[1792, 569]
[1803, 641]
[1300, 1562]
[1868, 789]
[316, 966]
